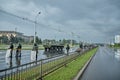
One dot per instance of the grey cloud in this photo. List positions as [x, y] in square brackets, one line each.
[88, 18]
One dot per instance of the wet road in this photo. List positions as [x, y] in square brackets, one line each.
[104, 66]
[25, 58]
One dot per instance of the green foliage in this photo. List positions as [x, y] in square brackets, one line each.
[115, 45]
[64, 41]
[4, 39]
[38, 40]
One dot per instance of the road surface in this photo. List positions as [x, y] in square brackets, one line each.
[26, 54]
[104, 66]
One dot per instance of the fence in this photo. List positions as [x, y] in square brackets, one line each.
[37, 69]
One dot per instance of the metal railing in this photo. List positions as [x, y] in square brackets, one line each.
[37, 69]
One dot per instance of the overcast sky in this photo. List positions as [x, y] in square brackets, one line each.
[92, 20]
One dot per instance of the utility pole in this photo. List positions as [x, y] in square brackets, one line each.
[72, 39]
[15, 37]
[35, 27]
[34, 51]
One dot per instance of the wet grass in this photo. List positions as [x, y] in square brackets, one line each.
[24, 47]
[69, 72]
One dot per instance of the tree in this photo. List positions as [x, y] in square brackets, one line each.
[63, 41]
[19, 39]
[12, 39]
[4, 39]
[38, 40]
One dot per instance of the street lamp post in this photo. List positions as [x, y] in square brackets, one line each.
[34, 51]
[78, 38]
[35, 27]
[72, 39]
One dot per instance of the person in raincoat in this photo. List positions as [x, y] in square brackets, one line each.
[68, 48]
[35, 48]
[11, 49]
[18, 50]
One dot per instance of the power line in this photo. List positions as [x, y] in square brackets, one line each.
[27, 19]
[32, 21]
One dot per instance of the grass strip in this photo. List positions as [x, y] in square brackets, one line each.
[24, 47]
[69, 72]
[34, 72]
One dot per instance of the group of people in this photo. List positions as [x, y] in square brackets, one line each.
[18, 50]
[9, 53]
[35, 48]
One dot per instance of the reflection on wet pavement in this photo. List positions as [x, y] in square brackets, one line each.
[117, 54]
[104, 66]
[6, 62]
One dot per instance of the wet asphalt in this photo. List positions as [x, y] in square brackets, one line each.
[104, 66]
[25, 58]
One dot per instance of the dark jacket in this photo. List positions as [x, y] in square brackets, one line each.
[11, 46]
[19, 46]
[35, 48]
[68, 47]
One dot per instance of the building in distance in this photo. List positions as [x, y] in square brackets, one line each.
[117, 39]
[16, 34]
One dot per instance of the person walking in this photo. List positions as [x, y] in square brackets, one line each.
[81, 46]
[68, 48]
[18, 50]
[11, 49]
[35, 48]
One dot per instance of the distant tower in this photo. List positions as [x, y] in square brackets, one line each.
[117, 39]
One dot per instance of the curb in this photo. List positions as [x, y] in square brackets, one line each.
[80, 73]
